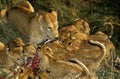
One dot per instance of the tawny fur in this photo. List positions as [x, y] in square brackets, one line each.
[82, 25]
[71, 37]
[29, 50]
[26, 6]
[16, 45]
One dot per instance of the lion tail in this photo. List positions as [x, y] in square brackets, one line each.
[111, 28]
[102, 46]
[82, 65]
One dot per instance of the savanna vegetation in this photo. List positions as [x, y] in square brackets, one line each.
[96, 12]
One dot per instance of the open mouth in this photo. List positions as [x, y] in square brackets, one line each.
[50, 40]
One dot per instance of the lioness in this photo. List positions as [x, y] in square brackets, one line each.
[37, 27]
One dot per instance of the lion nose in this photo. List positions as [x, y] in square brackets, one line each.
[56, 36]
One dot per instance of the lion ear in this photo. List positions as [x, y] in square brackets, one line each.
[39, 17]
[3, 12]
[54, 13]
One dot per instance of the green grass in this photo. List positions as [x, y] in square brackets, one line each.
[9, 32]
[8, 3]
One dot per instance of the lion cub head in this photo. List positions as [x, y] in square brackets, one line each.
[23, 73]
[82, 25]
[26, 6]
[29, 50]
[16, 45]
[72, 37]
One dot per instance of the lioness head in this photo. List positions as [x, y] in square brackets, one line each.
[43, 26]
[51, 26]
[37, 26]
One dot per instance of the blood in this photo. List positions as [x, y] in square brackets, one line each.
[1, 77]
[34, 64]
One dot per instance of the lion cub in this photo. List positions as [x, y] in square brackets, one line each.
[82, 25]
[16, 45]
[71, 37]
[37, 26]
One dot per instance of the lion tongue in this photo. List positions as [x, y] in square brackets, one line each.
[29, 64]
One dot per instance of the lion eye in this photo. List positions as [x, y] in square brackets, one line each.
[47, 49]
[21, 71]
[17, 46]
[18, 58]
